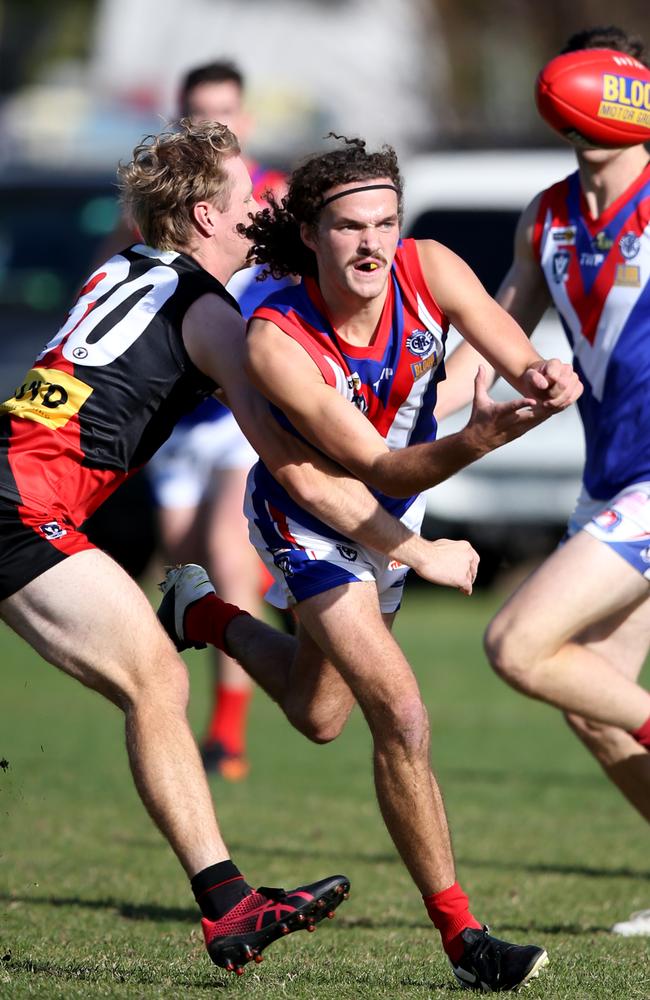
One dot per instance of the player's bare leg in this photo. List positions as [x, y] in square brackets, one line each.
[315, 678]
[622, 641]
[70, 615]
[346, 623]
[345, 650]
[533, 641]
[292, 670]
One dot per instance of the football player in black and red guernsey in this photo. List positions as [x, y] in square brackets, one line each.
[103, 394]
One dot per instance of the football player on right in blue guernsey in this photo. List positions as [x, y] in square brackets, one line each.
[577, 632]
[350, 360]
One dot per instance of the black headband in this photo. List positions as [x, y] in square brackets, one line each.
[366, 187]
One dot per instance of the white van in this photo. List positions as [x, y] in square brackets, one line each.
[471, 201]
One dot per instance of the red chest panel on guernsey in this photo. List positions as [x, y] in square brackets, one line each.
[107, 390]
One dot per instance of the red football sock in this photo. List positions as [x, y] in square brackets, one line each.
[450, 912]
[642, 734]
[228, 723]
[208, 619]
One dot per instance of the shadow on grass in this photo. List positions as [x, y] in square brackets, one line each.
[533, 868]
[160, 914]
[556, 868]
[78, 973]
[130, 911]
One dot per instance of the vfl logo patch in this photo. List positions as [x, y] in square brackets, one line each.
[283, 562]
[48, 396]
[607, 520]
[52, 530]
[560, 266]
[348, 553]
[630, 245]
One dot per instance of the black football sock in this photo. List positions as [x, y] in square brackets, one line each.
[218, 888]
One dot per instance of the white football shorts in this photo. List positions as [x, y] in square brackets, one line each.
[182, 472]
[304, 563]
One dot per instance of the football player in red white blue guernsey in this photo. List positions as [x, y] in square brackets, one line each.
[350, 360]
[577, 633]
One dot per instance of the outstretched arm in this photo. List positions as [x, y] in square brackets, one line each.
[214, 337]
[283, 371]
[524, 295]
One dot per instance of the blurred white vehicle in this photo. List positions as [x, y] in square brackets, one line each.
[471, 201]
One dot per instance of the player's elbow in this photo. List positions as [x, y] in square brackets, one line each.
[303, 485]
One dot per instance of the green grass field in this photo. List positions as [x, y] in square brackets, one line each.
[93, 904]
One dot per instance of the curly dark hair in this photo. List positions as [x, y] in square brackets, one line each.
[607, 37]
[275, 231]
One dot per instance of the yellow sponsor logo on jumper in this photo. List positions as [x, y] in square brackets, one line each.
[625, 100]
[418, 368]
[628, 274]
[48, 396]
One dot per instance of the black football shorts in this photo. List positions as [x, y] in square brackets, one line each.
[31, 542]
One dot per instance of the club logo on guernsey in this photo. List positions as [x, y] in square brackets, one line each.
[630, 245]
[422, 343]
[426, 347]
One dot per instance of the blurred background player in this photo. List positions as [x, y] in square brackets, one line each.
[577, 632]
[199, 476]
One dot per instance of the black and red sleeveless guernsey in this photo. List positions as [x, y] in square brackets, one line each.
[102, 396]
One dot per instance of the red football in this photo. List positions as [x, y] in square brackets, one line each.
[596, 97]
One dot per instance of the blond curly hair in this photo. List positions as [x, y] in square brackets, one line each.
[169, 174]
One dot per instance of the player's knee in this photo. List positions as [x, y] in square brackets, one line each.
[163, 681]
[404, 726]
[507, 654]
[319, 728]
